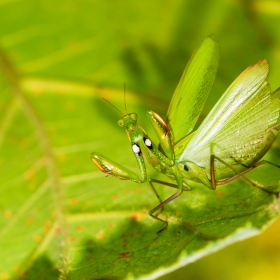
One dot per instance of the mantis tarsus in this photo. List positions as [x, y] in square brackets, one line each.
[230, 142]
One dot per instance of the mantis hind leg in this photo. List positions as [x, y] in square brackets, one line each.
[273, 127]
[151, 181]
[238, 175]
[162, 203]
[151, 213]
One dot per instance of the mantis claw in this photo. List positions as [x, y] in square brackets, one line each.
[114, 169]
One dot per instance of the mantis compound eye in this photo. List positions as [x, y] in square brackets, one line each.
[121, 123]
[134, 116]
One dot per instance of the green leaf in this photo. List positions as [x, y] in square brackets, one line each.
[101, 225]
[59, 215]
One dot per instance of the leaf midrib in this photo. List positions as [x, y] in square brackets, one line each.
[13, 79]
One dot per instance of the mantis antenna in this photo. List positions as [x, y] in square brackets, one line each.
[124, 98]
[113, 106]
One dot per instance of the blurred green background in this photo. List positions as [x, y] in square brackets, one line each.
[64, 50]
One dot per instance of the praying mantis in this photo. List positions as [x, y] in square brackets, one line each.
[230, 142]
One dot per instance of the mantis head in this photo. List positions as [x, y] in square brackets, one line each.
[128, 122]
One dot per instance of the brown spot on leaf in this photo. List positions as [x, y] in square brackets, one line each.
[220, 193]
[57, 230]
[272, 206]
[38, 238]
[125, 242]
[136, 217]
[79, 228]
[100, 234]
[138, 191]
[74, 201]
[124, 256]
[47, 225]
[23, 274]
[111, 225]
[8, 214]
[30, 220]
[28, 174]
[4, 276]
[72, 239]
[114, 196]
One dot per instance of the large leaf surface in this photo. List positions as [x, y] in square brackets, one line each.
[59, 215]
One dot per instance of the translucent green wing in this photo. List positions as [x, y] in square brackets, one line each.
[237, 124]
[193, 89]
[275, 107]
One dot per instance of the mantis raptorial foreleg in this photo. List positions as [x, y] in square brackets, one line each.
[110, 167]
[163, 133]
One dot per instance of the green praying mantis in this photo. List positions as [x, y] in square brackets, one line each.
[230, 142]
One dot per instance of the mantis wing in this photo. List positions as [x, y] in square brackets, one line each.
[193, 89]
[236, 126]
